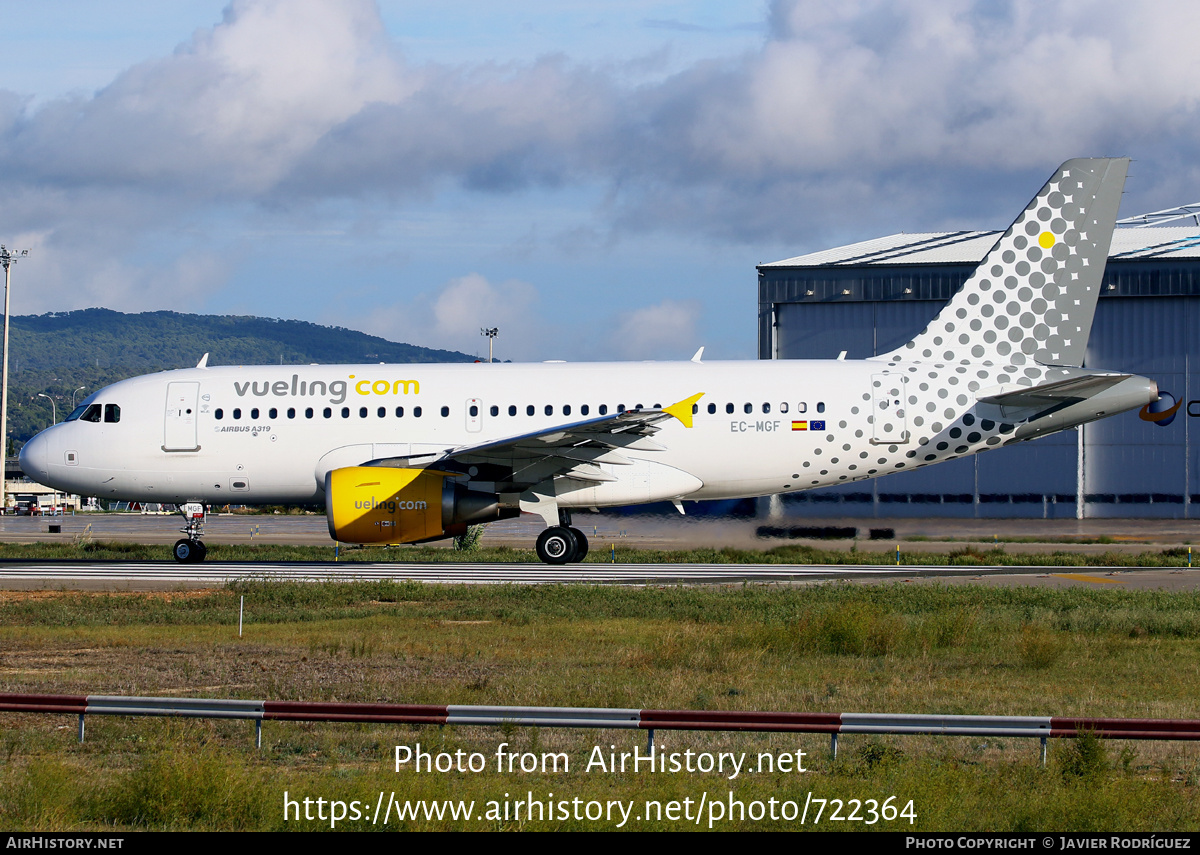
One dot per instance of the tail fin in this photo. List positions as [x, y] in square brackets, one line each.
[1033, 296]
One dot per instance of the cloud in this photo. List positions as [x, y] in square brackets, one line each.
[533, 329]
[228, 113]
[285, 101]
[666, 330]
[453, 315]
[849, 117]
[856, 108]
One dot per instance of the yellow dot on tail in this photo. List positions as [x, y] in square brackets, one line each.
[1046, 240]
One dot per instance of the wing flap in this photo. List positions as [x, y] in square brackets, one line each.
[574, 450]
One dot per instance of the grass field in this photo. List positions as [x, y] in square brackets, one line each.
[831, 648]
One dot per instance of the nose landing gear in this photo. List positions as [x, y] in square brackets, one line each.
[191, 549]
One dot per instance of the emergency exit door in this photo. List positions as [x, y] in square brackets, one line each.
[180, 431]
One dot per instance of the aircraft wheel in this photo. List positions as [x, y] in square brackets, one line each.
[185, 550]
[557, 545]
[190, 551]
[581, 542]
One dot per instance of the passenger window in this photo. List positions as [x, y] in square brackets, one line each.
[749, 408]
[566, 409]
[445, 412]
[820, 406]
[712, 408]
[345, 412]
[495, 411]
[381, 412]
[802, 407]
[291, 412]
[729, 408]
[254, 413]
[549, 409]
[783, 407]
[362, 412]
[529, 410]
[237, 412]
[308, 413]
[620, 408]
[273, 413]
[512, 410]
[416, 412]
[604, 409]
[584, 409]
[218, 413]
[112, 413]
[327, 413]
[695, 409]
[766, 408]
[475, 411]
[399, 412]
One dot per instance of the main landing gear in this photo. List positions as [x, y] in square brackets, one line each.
[191, 549]
[562, 544]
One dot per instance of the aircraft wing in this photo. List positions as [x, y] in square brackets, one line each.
[573, 450]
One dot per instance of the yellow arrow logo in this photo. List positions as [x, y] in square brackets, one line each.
[683, 409]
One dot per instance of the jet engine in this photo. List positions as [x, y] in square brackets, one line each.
[375, 504]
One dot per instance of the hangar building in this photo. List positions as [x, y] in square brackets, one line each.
[871, 297]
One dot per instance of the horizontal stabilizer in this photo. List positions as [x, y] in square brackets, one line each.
[1022, 402]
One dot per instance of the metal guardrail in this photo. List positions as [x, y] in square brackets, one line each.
[834, 724]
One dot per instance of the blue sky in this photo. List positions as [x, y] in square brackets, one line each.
[598, 180]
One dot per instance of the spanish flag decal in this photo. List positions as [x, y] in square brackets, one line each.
[800, 425]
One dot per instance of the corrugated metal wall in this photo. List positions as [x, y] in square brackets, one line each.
[1131, 461]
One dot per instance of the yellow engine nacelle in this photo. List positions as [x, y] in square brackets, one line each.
[376, 504]
[369, 504]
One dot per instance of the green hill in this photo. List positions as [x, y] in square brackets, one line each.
[58, 352]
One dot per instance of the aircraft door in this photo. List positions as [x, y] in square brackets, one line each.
[180, 429]
[474, 415]
[890, 422]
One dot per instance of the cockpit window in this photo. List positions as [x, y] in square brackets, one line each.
[76, 413]
[112, 413]
[91, 414]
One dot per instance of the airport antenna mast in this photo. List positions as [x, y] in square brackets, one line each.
[7, 258]
[491, 333]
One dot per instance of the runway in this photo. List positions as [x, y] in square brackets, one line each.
[166, 575]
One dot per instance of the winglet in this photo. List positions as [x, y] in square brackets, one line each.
[203, 363]
[697, 357]
[683, 409]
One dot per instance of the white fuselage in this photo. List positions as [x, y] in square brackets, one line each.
[269, 434]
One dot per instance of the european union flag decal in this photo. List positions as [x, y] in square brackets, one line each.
[817, 425]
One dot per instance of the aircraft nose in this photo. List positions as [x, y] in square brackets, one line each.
[35, 457]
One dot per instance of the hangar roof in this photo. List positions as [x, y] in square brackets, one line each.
[1165, 243]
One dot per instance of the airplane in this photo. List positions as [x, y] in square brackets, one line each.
[410, 453]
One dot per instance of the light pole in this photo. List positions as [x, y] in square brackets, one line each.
[80, 389]
[6, 259]
[53, 409]
[490, 332]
